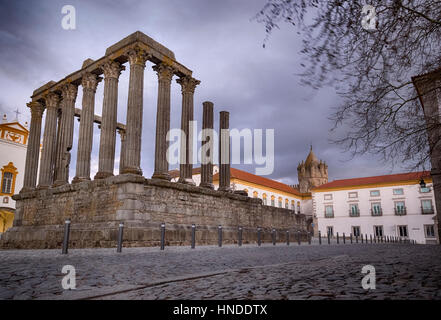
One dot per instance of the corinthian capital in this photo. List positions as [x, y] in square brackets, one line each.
[69, 92]
[112, 69]
[188, 84]
[138, 56]
[52, 99]
[36, 109]
[165, 72]
[90, 81]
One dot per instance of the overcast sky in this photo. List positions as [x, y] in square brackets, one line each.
[218, 40]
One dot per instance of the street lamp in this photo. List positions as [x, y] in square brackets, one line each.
[422, 183]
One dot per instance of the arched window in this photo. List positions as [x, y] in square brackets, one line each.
[255, 194]
[280, 202]
[9, 173]
[246, 190]
[293, 205]
[286, 203]
[264, 198]
[273, 199]
[298, 207]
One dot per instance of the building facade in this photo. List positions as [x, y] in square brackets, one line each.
[13, 144]
[391, 205]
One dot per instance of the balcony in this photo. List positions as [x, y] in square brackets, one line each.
[427, 210]
[377, 212]
[354, 213]
[329, 215]
[400, 211]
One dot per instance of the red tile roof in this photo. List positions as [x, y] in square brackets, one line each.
[391, 178]
[175, 173]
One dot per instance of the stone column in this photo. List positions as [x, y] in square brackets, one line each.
[224, 151]
[69, 94]
[132, 152]
[33, 150]
[46, 177]
[207, 146]
[85, 138]
[112, 71]
[122, 135]
[188, 85]
[165, 75]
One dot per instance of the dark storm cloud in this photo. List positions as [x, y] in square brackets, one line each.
[216, 39]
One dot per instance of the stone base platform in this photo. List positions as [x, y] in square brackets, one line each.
[97, 207]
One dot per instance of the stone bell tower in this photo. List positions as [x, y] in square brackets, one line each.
[312, 173]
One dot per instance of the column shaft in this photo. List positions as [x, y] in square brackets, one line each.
[49, 141]
[85, 138]
[132, 150]
[186, 167]
[207, 146]
[106, 163]
[224, 151]
[122, 135]
[165, 74]
[33, 150]
[69, 94]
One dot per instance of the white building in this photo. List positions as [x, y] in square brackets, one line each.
[13, 145]
[390, 205]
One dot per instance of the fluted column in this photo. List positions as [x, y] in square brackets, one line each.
[224, 151]
[69, 94]
[112, 71]
[122, 135]
[207, 146]
[132, 151]
[33, 150]
[165, 75]
[89, 83]
[188, 85]
[49, 141]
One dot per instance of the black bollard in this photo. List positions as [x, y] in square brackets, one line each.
[356, 238]
[287, 237]
[344, 238]
[259, 240]
[120, 237]
[309, 237]
[162, 236]
[273, 236]
[193, 236]
[298, 237]
[320, 237]
[370, 236]
[366, 238]
[350, 236]
[329, 238]
[361, 236]
[338, 240]
[240, 237]
[66, 236]
[219, 235]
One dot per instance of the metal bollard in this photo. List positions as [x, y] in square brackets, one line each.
[120, 237]
[162, 236]
[298, 237]
[350, 236]
[361, 236]
[320, 237]
[338, 239]
[273, 236]
[309, 237]
[329, 238]
[344, 238]
[66, 236]
[366, 238]
[287, 237]
[193, 236]
[356, 238]
[219, 235]
[259, 240]
[370, 236]
[240, 237]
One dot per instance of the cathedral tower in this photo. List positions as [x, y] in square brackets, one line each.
[312, 173]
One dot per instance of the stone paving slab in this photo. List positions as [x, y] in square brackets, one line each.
[314, 271]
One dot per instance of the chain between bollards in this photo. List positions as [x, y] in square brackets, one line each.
[66, 236]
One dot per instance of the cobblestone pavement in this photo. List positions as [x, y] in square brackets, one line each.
[403, 271]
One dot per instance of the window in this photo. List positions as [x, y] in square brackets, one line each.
[293, 205]
[264, 198]
[398, 192]
[376, 209]
[273, 201]
[353, 194]
[429, 230]
[375, 193]
[356, 231]
[330, 231]
[425, 190]
[328, 196]
[378, 231]
[286, 204]
[329, 211]
[353, 210]
[402, 231]
[400, 208]
[9, 173]
[426, 206]
[246, 190]
[6, 200]
[255, 194]
[298, 207]
[280, 202]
